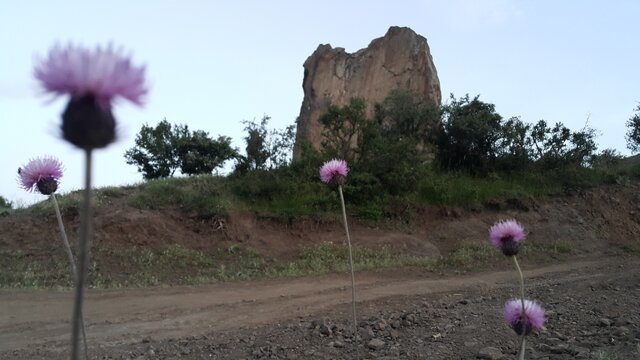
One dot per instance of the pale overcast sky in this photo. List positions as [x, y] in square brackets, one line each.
[211, 64]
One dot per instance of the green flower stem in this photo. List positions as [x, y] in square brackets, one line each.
[86, 218]
[353, 278]
[522, 342]
[72, 264]
[65, 240]
[522, 347]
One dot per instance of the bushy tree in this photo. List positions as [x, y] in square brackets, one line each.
[265, 149]
[468, 140]
[395, 145]
[161, 150]
[156, 149]
[512, 150]
[633, 131]
[606, 159]
[403, 114]
[558, 146]
[200, 154]
[343, 126]
[5, 206]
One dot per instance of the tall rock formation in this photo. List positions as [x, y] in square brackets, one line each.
[398, 60]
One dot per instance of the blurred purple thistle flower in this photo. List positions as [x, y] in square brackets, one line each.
[103, 73]
[531, 318]
[506, 235]
[93, 79]
[334, 172]
[41, 174]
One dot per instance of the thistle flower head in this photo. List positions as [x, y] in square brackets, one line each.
[524, 321]
[334, 172]
[506, 236]
[41, 174]
[103, 73]
[93, 79]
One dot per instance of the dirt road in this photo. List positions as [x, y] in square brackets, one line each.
[120, 317]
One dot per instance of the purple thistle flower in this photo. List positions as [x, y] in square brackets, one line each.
[531, 318]
[334, 172]
[103, 73]
[41, 174]
[93, 79]
[506, 235]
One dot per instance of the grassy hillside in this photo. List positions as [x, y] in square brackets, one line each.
[189, 231]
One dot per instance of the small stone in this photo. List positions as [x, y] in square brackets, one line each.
[604, 322]
[560, 349]
[375, 344]
[381, 325]
[366, 333]
[544, 347]
[490, 353]
[621, 322]
[325, 330]
[621, 331]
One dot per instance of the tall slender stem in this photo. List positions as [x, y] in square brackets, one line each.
[522, 346]
[353, 278]
[522, 342]
[515, 261]
[86, 217]
[72, 265]
[65, 240]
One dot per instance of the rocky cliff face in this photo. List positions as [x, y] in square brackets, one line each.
[400, 59]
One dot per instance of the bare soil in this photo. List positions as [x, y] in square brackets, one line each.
[591, 297]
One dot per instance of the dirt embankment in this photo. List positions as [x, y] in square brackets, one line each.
[591, 220]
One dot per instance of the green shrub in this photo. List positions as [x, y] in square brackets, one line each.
[201, 194]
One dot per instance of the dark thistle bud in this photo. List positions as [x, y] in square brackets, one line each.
[88, 125]
[47, 186]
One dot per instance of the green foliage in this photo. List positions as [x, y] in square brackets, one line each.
[200, 154]
[557, 146]
[342, 129]
[265, 149]
[513, 152]
[162, 150]
[4, 203]
[470, 133]
[283, 192]
[450, 188]
[156, 150]
[402, 114]
[5, 206]
[607, 159]
[385, 153]
[633, 131]
[23, 270]
[396, 144]
[199, 194]
[474, 138]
